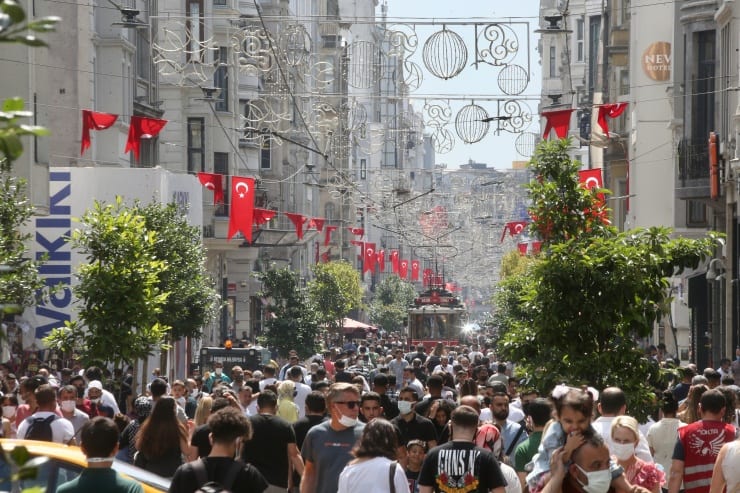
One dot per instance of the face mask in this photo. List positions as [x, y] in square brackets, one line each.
[8, 411]
[347, 421]
[219, 371]
[404, 407]
[623, 451]
[598, 481]
[68, 406]
[95, 401]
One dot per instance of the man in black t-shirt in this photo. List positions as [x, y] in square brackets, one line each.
[200, 438]
[227, 427]
[458, 464]
[272, 449]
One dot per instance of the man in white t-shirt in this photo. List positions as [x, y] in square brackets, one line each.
[62, 430]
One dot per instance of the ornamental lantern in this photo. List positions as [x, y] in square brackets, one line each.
[445, 54]
[471, 123]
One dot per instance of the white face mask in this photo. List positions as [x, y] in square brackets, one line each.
[8, 411]
[219, 371]
[623, 451]
[68, 406]
[347, 421]
[405, 407]
[598, 481]
[95, 401]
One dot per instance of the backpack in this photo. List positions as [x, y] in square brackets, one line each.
[40, 428]
[205, 486]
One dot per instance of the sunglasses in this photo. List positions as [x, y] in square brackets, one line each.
[349, 404]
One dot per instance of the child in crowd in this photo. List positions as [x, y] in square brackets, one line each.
[417, 451]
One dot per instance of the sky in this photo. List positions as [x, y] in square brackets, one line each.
[473, 86]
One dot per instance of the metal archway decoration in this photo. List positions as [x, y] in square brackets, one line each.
[471, 123]
[445, 54]
[295, 43]
[442, 140]
[173, 55]
[363, 71]
[525, 144]
[513, 79]
[252, 48]
[496, 44]
[520, 116]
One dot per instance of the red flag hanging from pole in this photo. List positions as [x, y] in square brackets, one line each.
[381, 260]
[92, 120]
[426, 277]
[213, 182]
[142, 128]
[514, 228]
[261, 216]
[415, 270]
[536, 246]
[242, 207]
[403, 269]
[591, 178]
[298, 220]
[522, 248]
[394, 261]
[327, 234]
[316, 222]
[357, 231]
[370, 257]
[557, 120]
[611, 110]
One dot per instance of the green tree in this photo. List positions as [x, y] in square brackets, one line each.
[335, 291]
[575, 315]
[118, 289]
[291, 321]
[391, 302]
[192, 300]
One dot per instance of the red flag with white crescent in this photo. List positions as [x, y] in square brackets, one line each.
[427, 277]
[591, 178]
[394, 261]
[370, 257]
[242, 207]
[514, 228]
[298, 220]
[357, 231]
[327, 234]
[261, 216]
[213, 182]
[415, 270]
[142, 128]
[611, 110]
[403, 269]
[92, 120]
[381, 260]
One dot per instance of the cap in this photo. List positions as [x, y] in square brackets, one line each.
[95, 384]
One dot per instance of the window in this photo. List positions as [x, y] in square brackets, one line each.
[594, 32]
[696, 214]
[552, 62]
[266, 152]
[221, 79]
[363, 169]
[194, 30]
[221, 166]
[196, 145]
[329, 211]
[220, 3]
[579, 39]
[703, 86]
[249, 129]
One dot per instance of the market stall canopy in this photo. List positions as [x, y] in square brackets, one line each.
[349, 326]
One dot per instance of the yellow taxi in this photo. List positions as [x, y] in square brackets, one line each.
[64, 463]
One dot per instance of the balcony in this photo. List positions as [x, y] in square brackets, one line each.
[692, 181]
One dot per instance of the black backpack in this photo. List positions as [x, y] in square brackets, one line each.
[205, 486]
[40, 428]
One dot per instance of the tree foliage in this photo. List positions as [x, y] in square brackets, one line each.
[118, 290]
[576, 313]
[291, 322]
[389, 307]
[335, 291]
[192, 300]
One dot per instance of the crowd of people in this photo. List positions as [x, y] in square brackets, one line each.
[377, 418]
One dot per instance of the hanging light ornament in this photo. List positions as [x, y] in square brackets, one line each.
[471, 123]
[445, 54]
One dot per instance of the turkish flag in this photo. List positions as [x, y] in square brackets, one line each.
[357, 231]
[92, 120]
[297, 220]
[591, 178]
[612, 110]
[316, 222]
[522, 248]
[242, 207]
[213, 181]
[143, 128]
[261, 216]
[403, 269]
[327, 234]
[326, 256]
[415, 270]
[394, 261]
[514, 228]
[426, 277]
[558, 120]
[381, 260]
[370, 257]
[536, 246]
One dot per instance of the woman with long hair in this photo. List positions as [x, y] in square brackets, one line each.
[203, 411]
[691, 412]
[162, 440]
[374, 466]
